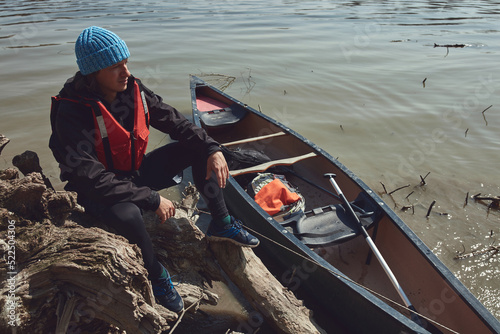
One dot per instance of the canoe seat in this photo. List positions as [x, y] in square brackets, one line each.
[224, 116]
[332, 224]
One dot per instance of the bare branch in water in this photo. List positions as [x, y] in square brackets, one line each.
[491, 249]
[484, 117]
[422, 179]
[221, 81]
[392, 192]
[383, 185]
[495, 201]
[249, 83]
[430, 208]
[450, 45]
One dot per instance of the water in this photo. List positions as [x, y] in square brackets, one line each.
[362, 80]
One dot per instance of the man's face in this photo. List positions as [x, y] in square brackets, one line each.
[113, 79]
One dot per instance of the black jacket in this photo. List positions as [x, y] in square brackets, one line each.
[72, 143]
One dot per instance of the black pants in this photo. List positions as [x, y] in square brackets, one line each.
[157, 171]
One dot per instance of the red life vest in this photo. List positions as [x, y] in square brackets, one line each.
[118, 149]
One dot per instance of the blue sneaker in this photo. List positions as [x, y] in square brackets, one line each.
[232, 232]
[166, 295]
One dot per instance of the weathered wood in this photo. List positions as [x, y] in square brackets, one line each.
[29, 198]
[99, 270]
[70, 277]
[276, 303]
[265, 166]
[9, 174]
[71, 272]
[180, 243]
[28, 162]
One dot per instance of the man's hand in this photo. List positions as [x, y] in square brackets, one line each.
[217, 164]
[165, 210]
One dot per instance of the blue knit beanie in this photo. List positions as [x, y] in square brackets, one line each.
[97, 48]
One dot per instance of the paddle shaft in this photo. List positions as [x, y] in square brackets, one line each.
[372, 245]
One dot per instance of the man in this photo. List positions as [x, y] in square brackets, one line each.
[100, 127]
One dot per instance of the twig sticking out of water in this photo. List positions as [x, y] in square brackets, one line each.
[430, 209]
[221, 81]
[423, 82]
[392, 192]
[422, 179]
[466, 199]
[448, 46]
[249, 83]
[484, 117]
[495, 200]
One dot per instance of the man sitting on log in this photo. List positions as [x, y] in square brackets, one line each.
[100, 127]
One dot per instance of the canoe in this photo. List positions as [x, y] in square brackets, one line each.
[319, 251]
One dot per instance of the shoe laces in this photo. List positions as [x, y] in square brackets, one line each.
[164, 286]
[236, 224]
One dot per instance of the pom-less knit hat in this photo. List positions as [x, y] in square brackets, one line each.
[97, 48]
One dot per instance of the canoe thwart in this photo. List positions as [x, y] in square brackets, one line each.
[254, 139]
[263, 167]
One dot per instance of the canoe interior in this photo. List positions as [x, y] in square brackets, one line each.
[431, 288]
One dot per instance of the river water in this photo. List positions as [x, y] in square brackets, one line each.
[363, 80]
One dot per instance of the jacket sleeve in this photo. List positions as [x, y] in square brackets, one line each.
[167, 119]
[79, 165]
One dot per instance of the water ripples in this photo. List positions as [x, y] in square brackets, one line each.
[347, 75]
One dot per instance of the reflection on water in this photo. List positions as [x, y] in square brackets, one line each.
[348, 75]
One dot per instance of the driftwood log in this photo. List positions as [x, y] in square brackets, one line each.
[277, 304]
[65, 272]
[67, 278]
